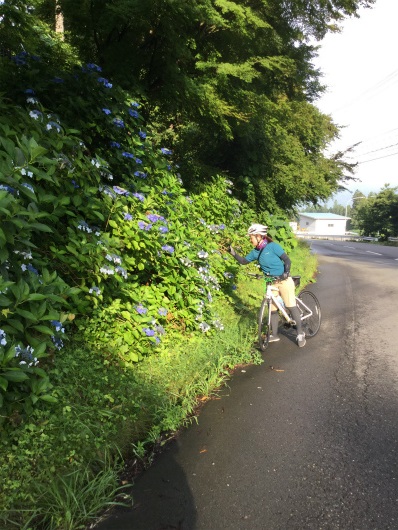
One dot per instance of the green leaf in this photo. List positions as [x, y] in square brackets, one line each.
[3, 383]
[48, 398]
[16, 376]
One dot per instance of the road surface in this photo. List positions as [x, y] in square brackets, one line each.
[309, 439]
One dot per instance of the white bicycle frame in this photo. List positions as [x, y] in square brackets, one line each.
[281, 308]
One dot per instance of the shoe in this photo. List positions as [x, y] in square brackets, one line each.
[274, 338]
[301, 340]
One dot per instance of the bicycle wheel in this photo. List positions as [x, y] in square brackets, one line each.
[308, 303]
[264, 325]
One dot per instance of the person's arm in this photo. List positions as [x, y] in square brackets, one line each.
[239, 259]
[286, 266]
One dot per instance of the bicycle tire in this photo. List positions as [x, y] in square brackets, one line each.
[264, 325]
[312, 324]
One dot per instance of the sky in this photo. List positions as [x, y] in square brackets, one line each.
[360, 70]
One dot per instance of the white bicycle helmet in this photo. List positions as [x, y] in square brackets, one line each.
[257, 229]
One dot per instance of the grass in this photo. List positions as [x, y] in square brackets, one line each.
[62, 469]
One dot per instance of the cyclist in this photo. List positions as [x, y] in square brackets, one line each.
[273, 261]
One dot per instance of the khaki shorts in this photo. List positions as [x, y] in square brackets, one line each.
[286, 289]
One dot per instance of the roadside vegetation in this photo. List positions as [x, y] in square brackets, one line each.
[122, 186]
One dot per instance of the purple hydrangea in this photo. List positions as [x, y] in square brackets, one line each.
[139, 196]
[168, 248]
[141, 309]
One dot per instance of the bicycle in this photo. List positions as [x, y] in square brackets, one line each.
[307, 303]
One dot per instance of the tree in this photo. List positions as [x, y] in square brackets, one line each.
[232, 81]
[378, 215]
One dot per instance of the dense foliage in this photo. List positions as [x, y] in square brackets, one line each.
[231, 83]
[126, 147]
[377, 214]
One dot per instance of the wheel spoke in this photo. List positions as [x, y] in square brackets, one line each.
[308, 303]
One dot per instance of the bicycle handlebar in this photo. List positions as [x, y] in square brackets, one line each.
[263, 277]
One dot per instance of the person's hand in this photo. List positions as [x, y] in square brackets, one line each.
[231, 251]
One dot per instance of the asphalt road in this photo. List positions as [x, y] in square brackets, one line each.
[309, 439]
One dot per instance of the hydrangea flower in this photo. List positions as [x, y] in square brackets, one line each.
[120, 191]
[138, 161]
[128, 217]
[154, 217]
[202, 254]
[144, 226]
[115, 144]
[166, 151]
[95, 290]
[105, 82]
[142, 135]
[133, 113]
[163, 229]
[53, 125]
[168, 248]
[141, 309]
[35, 114]
[26, 173]
[84, 227]
[162, 311]
[57, 325]
[204, 327]
[3, 338]
[57, 342]
[118, 123]
[107, 270]
[140, 174]
[148, 332]
[127, 155]
[139, 196]
[94, 67]
[28, 186]
[122, 272]
[26, 355]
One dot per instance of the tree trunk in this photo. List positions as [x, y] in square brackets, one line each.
[59, 20]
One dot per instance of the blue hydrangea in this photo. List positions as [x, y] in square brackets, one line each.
[105, 82]
[168, 248]
[166, 151]
[141, 309]
[148, 332]
[140, 174]
[120, 191]
[139, 196]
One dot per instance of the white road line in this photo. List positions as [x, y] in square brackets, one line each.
[377, 253]
[350, 247]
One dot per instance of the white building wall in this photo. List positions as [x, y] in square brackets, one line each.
[323, 226]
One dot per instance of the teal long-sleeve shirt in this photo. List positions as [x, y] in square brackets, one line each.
[272, 259]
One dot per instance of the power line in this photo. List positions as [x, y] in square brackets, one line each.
[375, 150]
[385, 80]
[378, 158]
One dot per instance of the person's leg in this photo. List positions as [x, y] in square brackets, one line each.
[274, 326]
[300, 334]
[287, 290]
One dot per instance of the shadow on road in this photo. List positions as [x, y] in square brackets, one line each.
[162, 499]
